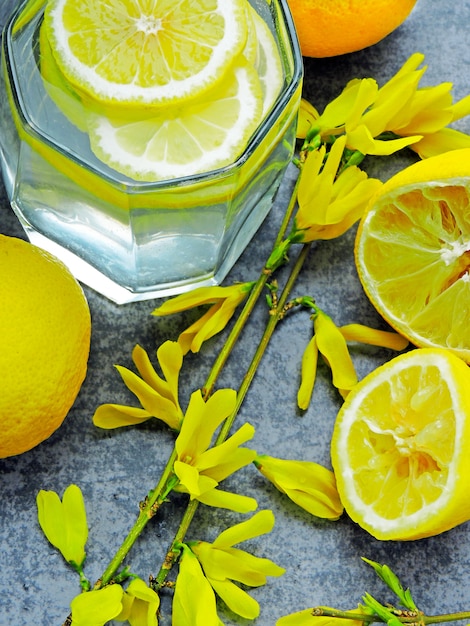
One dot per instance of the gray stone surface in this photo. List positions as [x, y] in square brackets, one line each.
[116, 469]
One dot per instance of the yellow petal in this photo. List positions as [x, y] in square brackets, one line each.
[64, 523]
[236, 599]
[332, 346]
[308, 374]
[374, 337]
[259, 524]
[307, 116]
[442, 141]
[194, 600]
[226, 500]
[98, 607]
[109, 416]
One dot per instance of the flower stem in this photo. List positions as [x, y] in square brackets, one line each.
[405, 618]
[254, 296]
[147, 510]
[276, 315]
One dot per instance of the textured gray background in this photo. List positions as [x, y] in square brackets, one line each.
[116, 469]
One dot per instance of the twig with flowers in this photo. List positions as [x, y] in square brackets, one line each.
[329, 196]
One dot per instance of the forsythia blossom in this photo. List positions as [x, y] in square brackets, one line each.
[330, 203]
[310, 485]
[380, 121]
[140, 605]
[199, 467]
[194, 599]
[223, 301]
[222, 564]
[330, 341]
[158, 396]
[64, 523]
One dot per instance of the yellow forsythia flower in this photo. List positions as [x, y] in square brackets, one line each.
[329, 204]
[380, 121]
[158, 396]
[194, 599]
[64, 522]
[310, 485]
[200, 467]
[140, 605]
[222, 564]
[330, 341]
[223, 301]
[98, 607]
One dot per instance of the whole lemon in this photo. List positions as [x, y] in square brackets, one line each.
[327, 28]
[45, 329]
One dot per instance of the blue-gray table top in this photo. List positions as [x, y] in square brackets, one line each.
[116, 469]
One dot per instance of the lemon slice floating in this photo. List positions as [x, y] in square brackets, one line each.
[400, 447]
[267, 62]
[413, 252]
[183, 141]
[135, 52]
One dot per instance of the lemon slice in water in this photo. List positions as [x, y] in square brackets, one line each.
[135, 52]
[183, 141]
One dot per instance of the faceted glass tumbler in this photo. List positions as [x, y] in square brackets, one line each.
[126, 239]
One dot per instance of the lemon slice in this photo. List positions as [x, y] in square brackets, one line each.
[135, 52]
[183, 141]
[267, 62]
[400, 447]
[413, 252]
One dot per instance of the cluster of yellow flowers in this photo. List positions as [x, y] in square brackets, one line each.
[331, 195]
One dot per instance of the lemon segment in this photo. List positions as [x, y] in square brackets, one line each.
[413, 252]
[183, 141]
[400, 447]
[135, 52]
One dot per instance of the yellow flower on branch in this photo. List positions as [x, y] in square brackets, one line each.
[380, 121]
[223, 564]
[200, 467]
[98, 607]
[158, 396]
[140, 605]
[194, 599]
[330, 341]
[64, 523]
[310, 485]
[330, 203]
[223, 301]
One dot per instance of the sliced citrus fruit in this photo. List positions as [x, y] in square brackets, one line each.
[400, 446]
[267, 62]
[413, 252]
[140, 52]
[183, 141]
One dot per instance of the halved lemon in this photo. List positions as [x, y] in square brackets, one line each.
[400, 446]
[138, 52]
[413, 252]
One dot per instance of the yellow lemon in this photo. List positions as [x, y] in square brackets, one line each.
[400, 446]
[328, 28]
[413, 252]
[44, 344]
